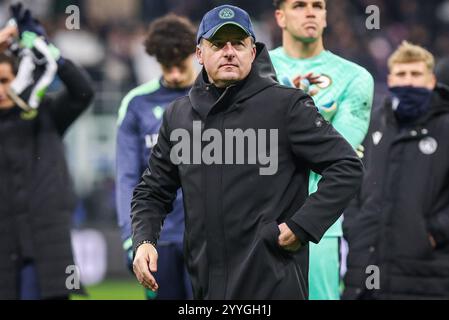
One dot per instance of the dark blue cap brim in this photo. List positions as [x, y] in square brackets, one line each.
[210, 34]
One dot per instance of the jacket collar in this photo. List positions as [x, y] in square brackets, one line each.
[439, 105]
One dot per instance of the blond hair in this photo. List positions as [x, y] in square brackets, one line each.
[408, 53]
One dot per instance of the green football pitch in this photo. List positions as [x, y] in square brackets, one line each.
[113, 290]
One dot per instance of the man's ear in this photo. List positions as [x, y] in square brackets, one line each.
[390, 80]
[280, 18]
[199, 55]
[433, 83]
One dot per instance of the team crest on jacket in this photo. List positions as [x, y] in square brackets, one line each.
[428, 146]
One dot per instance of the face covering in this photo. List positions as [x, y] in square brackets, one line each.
[410, 103]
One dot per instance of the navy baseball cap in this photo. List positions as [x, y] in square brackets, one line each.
[221, 16]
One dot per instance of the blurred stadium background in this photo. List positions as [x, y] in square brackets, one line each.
[109, 46]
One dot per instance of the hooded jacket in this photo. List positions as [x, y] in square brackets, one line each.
[404, 199]
[232, 211]
[36, 194]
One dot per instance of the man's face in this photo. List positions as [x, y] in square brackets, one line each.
[228, 56]
[179, 76]
[304, 20]
[414, 74]
[6, 78]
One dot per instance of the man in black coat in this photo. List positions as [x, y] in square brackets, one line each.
[36, 195]
[398, 230]
[241, 147]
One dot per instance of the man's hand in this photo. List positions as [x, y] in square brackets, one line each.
[433, 243]
[37, 69]
[144, 264]
[25, 20]
[360, 151]
[287, 239]
[304, 83]
[5, 37]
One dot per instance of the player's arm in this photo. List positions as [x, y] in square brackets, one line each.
[42, 61]
[6, 34]
[128, 170]
[354, 109]
[438, 223]
[76, 96]
[352, 121]
[353, 210]
[154, 196]
[152, 200]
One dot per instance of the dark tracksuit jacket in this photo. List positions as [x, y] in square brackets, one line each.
[404, 198]
[232, 211]
[36, 194]
[140, 118]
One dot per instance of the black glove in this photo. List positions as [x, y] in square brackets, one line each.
[128, 247]
[26, 22]
[34, 75]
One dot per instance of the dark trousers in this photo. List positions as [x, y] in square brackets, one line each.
[29, 284]
[172, 276]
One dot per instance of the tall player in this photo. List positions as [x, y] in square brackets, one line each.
[342, 90]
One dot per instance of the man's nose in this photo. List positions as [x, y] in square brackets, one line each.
[229, 50]
[175, 73]
[310, 13]
[408, 80]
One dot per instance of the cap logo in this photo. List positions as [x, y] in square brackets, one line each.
[226, 13]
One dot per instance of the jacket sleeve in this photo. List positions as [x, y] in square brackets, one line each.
[438, 223]
[76, 96]
[354, 208]
[317, 144]
[153, 197]
[128, 168]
